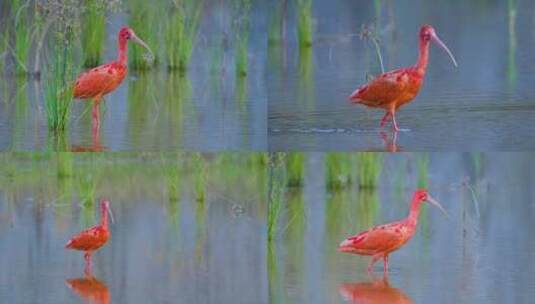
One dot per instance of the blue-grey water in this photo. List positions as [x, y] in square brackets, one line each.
[486, 104]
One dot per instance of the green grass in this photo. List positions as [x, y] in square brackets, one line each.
[338, 167]
[241, 29]
[369, 166]
[181, 30]
[58, 87]
[294, 168]
[93, 32]
[304, 23]
[23, 43]
[145, 20]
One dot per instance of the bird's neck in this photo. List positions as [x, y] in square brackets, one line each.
[123, 51]
[423, 58]
[104, 218]
[412, 219]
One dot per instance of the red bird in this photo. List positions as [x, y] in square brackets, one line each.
[381, 240]
[99, 81]
[391, 90]
[93, 238]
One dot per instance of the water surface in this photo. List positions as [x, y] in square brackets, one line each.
[485, 105]
[481, 254]
[167, 246]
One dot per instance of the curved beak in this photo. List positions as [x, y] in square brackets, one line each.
[437, 204]
[136, 39]
[442, 45]
[111, 215]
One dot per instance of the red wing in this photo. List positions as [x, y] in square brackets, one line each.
[89, 239]
[378, 239]
[97, 81]
[384, 89]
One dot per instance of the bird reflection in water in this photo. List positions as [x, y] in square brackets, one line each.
[390, 142]
[96, 145]
[374, 291]
[90, 289]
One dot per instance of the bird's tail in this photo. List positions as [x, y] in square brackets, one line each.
[355, 97]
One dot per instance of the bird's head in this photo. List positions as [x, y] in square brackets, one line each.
[421, 195]
[127, 33]
[427, 34]
[105, 207]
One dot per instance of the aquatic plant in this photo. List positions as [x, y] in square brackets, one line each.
[369, 33]
[304, 23]
[58, 94]
[145, 20]
[369, 166]
[294, 168]
[338, 170]
[276, 28]
[93, 32]
[181, 30]
[60, 70]
[22, 26]
[241, 30]
[86, 189]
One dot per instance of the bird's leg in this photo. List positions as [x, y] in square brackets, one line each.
[87, 268]
[385, 265]
[385, 118]
[96, 114]
[394, 123]
[375, 258]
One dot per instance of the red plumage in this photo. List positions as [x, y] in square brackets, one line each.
[391, 90]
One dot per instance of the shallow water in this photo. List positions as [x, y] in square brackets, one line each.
[208, 109]
[160, 251]
[481, 254]
[486, 104]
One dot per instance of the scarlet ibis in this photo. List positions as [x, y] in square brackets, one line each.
[93, 238]
[391, 90]
[90, 289]
[381, 240]
[99, 81]
[378, 291]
